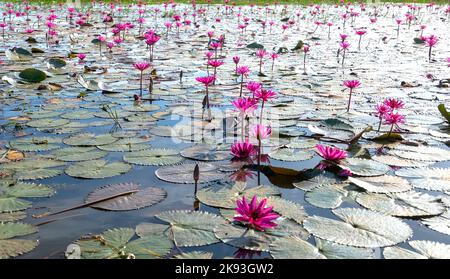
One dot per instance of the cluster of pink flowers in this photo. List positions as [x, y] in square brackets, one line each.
[388, 111]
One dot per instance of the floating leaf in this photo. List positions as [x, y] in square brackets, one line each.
[191, 228]
[16, 247]
[333, 250]
[294, 248]
[87, 139]
[398, 162]
[287, 209]
[12, 216]
[425, 249]
[47, 123]
[432, 184]
[56, 63]
[239, 236]
[75, 154]
[127, 145]
[10, 230]
[9, 204]
[116, 244]
[336, 124]
[205, 152]
[360, 228]
[32, 75]
[26, 190]
[408, 204]
[183, 173]
[142, 198]
[326, 196]
[202, 255]
[382, 184]
[153, 157]
[97, 169]
[364, 167]
[317, 181]
[438, 173]
[439, 223]
[422, 153]
[255, 45]
[224, 195]
[33, 144]
[286, 154]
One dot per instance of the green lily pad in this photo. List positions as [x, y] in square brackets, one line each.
[153, 157]
[326, 196]
[184, 173]
[127, 145]
[364, 167]
[360, 228]
[32, 75]
[224, 195]
[287, 154]
[12, 216]
[16, 247]
[205, 152]
[10, 230]
[294, 248]
[116, 244]
[34, 144]
[75, 154]
[191, 228]
[47, 123]
[87, 139]
[97, 169]
[408, 204]
[201, 255]
[382, 184]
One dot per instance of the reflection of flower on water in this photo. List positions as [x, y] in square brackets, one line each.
[242, 175]
[245, 254]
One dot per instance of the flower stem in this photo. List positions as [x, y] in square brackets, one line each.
[141, 83]
[242, 84]
[349, 100]
[261, 113]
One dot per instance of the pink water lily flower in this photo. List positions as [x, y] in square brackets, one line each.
[206, 80]
[81, 56]
[215, 63]
[141, 66]
[243, 150]
[245, 106]
[253, 86]
[381, 110]
[351, 84]
[394, 118]
[265, 95]
[255, 215]
[431, 41]
[394, 103]
[243, 70]
[331, 153]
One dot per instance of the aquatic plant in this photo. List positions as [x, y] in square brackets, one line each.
[256, 215]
